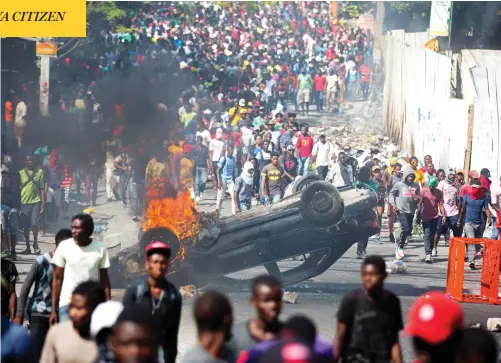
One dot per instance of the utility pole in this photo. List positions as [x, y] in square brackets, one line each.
[44, 64]
[451, 9]
[44, 84]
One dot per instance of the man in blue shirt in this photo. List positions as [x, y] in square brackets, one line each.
[224, 175]
[475, 204]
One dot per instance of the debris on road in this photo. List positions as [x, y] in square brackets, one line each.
[289, 297]
[476, 326]
[494, 324]
[395, 267]
[189, 291]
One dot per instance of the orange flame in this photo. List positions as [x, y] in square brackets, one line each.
[177, 214]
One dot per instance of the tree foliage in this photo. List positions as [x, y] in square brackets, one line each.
[101, 15]
[353, 9]
[407, 15]
[252, 7]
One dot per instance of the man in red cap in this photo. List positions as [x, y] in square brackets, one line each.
[465, 189]
[435, 324]
[161, 298]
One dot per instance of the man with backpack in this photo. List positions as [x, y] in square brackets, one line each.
[160, 297]
[32, 201]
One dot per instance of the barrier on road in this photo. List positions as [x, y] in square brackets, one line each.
[480, 285]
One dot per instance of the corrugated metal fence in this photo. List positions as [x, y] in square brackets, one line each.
[419, 114]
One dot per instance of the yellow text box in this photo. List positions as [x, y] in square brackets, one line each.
[43, 18]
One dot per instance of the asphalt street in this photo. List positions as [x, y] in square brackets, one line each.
[318, 298]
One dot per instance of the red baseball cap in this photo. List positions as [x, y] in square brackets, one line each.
[157, 246]
[473, 174]
[434, 317]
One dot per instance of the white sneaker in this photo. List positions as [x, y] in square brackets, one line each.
[197, 199]
[399, 254]
[434, 253]
[201, 195]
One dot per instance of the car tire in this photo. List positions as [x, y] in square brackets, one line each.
[303, 181]
[322, 205]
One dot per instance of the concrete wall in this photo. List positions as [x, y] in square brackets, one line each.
[419, 114]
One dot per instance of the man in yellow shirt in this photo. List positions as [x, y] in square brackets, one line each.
[186, 170]
[236, 113]
[32, 201]
[419, 176]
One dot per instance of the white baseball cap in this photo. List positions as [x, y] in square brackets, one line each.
[104, 316]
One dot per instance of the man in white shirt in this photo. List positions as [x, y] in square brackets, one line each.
[322, 152]
[341, 173]
[203, 133]
[216, 147]
[77, 259]
[247, 139]
[20, 122]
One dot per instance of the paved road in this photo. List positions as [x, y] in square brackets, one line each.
[318, 298]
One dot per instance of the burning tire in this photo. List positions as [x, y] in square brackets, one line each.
[303, 181]
[322, 205]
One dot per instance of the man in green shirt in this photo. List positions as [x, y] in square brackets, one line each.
[188, 116]
[32, 201]
[305, 82]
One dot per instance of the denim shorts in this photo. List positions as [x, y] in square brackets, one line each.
[10, 220]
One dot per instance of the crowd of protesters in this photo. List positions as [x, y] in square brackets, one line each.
[235, 82]
[238, 72]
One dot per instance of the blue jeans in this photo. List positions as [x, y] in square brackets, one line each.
[283, 101]
[244, 205]
[272, 199]
[303, 165]
[200, 180]
[473, 230]
[495, 231]
[450, 224]
[64, 313]
[136, 190]
[294, 98]
[123, 191]
[320, 100]
[429, 230]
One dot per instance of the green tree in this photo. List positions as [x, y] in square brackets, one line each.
[101, 15]
[407, 15]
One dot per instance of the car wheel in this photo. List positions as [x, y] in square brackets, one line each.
[322, 205]
[303, 181]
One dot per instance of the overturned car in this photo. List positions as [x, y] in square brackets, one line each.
[314, 219]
